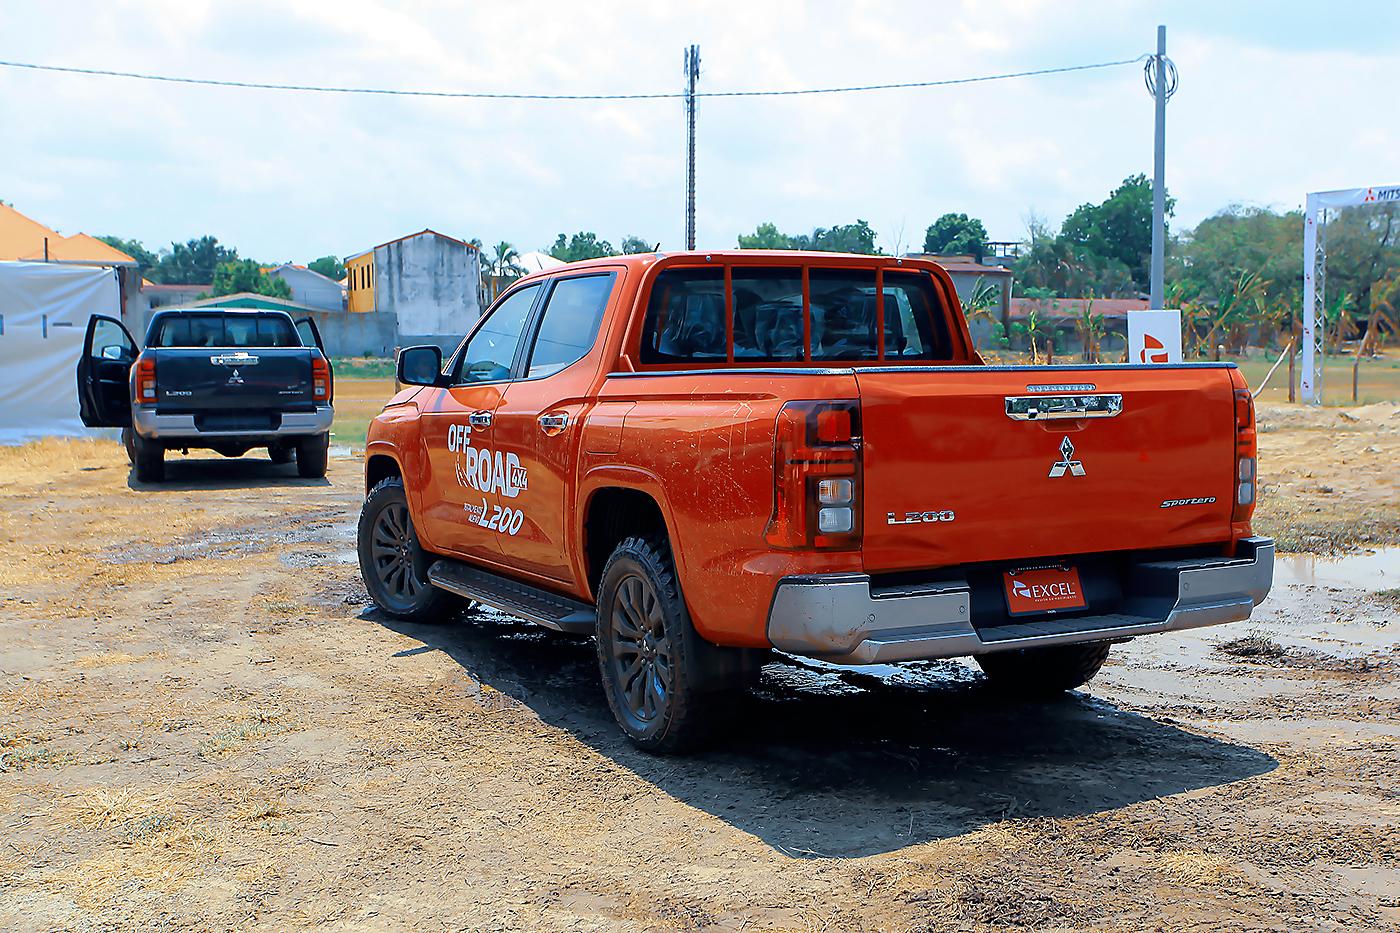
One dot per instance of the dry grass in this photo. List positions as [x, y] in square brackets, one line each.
[259, 725]
[1253, 645]
[1192, 866]
[112, 658]
[60, 455]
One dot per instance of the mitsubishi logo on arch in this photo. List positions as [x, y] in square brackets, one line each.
[1066, 465]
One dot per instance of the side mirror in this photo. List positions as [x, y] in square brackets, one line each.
[114, 352]
[419, 366]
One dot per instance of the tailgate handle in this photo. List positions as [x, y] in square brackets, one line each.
[1048, 407]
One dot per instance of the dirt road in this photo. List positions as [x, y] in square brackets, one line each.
[202, 724]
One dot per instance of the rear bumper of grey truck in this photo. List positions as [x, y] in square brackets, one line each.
[187, 427]
[842, 619]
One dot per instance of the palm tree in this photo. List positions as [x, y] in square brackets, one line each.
[1090, 326]
[507, 261]
[1035, 327]
[980, 303]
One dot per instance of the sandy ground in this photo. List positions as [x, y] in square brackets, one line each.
[203, 725]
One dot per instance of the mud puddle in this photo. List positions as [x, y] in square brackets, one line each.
[1374, 570]
[328, 526]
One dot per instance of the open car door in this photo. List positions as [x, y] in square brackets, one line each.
[310, 334]
[104, 373]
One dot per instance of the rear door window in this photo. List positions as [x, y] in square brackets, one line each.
[570, 323]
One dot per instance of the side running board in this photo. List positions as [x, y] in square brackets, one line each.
[519, 599]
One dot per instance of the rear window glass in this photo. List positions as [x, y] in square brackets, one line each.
[686, 319]
[915, 326]
[843, 314]
[768, 315]
[226, 330]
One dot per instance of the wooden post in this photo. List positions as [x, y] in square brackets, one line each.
[1355, 374]
[1292, 382]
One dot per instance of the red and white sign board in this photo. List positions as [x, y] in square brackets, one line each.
[1154, 336]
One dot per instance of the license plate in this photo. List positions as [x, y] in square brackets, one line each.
[1042, 589]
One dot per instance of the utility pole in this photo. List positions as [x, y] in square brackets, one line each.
[1157, 83]
[692, 74]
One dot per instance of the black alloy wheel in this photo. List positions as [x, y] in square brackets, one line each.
[643, 665]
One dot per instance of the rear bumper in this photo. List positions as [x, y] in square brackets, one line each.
[155, 426]
[836, 617]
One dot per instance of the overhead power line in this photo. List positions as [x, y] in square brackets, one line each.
[488, 95]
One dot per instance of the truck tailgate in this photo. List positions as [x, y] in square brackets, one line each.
[950, 478]
[208, 378]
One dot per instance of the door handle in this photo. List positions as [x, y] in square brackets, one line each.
[480, 419]
[554, 424]
[1051, 407]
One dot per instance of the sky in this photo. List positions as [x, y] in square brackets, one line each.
[1275, 99]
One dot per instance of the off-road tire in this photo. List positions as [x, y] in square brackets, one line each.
[393, 564]
[1044, 671]
[683, 715]
[127, 434]
[281, 453]
[312, 454]
[147, 459]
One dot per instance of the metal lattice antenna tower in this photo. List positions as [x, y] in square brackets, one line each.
[692, 75]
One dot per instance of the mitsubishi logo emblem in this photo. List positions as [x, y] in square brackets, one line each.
[237, 380]
[1066, 462]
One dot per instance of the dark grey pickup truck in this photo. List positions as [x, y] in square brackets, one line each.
[221, 380]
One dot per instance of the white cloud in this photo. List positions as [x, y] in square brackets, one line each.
[300, 175]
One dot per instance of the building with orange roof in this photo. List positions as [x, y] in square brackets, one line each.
[23, 239]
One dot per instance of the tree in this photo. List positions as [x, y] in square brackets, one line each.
[580, 246]
[766, 236]
[635, 244]
[245, 275]
[506, 262]
[192, 263]
[145, 259]
[842, 238]
[1118, 229]
[956, 234]
[329, 266]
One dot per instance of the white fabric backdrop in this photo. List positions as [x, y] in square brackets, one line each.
[44, 310]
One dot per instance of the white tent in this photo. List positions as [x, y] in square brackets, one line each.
[44, 310]
[538, 262]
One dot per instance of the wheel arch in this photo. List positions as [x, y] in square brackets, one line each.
[379, 467]
[612, 512]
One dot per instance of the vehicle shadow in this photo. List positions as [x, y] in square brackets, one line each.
[183, 474]
[825, 762]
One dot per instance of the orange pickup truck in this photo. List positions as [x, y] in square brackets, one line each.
[703, 457]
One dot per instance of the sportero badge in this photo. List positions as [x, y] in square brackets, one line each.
[1066, 463]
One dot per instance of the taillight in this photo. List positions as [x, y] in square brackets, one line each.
[1246, 457]
[145, 380]
[320, 378]
[816, 476]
